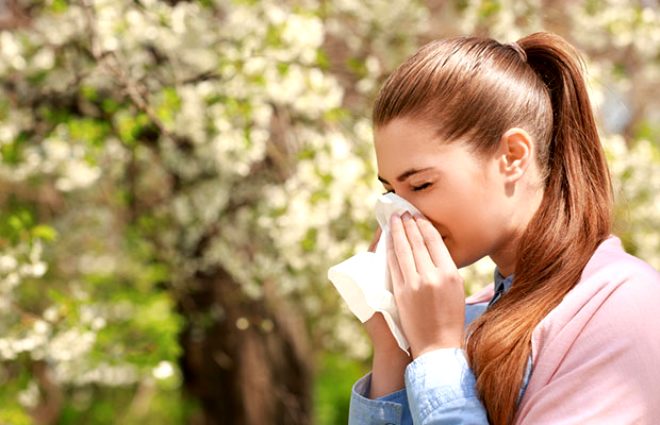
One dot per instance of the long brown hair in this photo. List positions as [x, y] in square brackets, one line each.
[474, 89]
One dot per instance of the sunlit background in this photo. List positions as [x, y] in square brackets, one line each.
[176, 177]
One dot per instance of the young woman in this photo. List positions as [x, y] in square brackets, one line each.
[497, 146]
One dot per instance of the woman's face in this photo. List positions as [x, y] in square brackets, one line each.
[464, 196]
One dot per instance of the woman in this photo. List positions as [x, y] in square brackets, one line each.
[497, 146]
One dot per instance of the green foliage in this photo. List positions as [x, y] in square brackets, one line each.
[18, 224]
[334, 380]
[130, 125]
[167, 105]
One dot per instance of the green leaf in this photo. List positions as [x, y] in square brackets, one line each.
[44, 232]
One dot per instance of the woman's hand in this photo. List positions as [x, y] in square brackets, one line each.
[428, 290]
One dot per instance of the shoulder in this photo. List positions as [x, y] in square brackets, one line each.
[626, 305]
[618, 295]
[630, 301]
[598, 348]
[610, 262]
[611, 276]
[620, 284]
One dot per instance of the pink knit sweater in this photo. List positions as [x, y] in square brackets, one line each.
[596, 356]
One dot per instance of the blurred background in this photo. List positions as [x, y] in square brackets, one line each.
[176, 177]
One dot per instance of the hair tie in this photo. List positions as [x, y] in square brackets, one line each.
[521, 52]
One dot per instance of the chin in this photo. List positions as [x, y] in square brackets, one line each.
[456, 258]
[462, 259]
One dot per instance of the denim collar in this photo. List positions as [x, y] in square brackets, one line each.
[501, 281]
[502, 284]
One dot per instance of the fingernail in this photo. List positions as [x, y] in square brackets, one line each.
[406, 216]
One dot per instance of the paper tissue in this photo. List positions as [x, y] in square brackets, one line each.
[364, 280]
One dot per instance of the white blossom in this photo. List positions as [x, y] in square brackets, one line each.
[163, 370]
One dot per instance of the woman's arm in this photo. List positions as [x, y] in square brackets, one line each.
[441, 390]
[389, 361]
[380, 396]
[387, 405]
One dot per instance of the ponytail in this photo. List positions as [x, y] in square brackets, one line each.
[573, 219]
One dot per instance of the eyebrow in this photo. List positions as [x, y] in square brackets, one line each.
[405, 174]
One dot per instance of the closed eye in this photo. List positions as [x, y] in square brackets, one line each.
[415, 188]
[422, 187]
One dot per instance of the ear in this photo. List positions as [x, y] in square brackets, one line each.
[516, 153]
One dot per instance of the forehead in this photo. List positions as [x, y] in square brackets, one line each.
[403, 143]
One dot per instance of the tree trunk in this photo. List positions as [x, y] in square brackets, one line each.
[251, 363]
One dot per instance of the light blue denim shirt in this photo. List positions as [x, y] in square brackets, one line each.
[440, 386]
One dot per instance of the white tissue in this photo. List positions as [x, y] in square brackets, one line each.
[364, 281]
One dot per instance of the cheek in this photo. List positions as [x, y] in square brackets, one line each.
[460, 217]
[446, 213]
[462, 226]
[460, 207]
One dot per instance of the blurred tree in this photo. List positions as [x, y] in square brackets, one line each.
[177, 176]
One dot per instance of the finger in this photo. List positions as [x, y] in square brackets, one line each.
[402, 249]
[436, 246]
[421, 255]
[393, 266]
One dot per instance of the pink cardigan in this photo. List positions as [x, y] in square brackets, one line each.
[596, 356]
